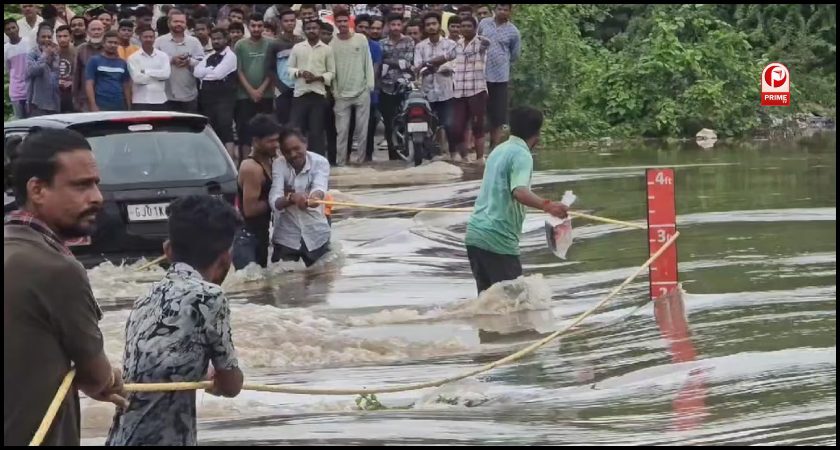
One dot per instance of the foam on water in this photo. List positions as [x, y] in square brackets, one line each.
[526, 293]
[282, 339]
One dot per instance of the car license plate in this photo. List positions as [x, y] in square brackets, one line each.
[414, 127]
[78, 242]
[147, 212]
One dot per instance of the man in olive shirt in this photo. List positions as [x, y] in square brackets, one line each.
[496, 222]
[255, 95]
[49, 313]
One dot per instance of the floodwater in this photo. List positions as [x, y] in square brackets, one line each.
[747, 355]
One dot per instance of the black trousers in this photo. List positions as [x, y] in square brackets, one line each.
[308, 112]
[389, 106]
[489, 268]
[219, 107]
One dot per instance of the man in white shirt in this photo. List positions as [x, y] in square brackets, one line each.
[149, 69]
[217, 90]
[312, 66]
[28, 24]
[301, 228]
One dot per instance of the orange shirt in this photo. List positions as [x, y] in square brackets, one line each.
[125, 52]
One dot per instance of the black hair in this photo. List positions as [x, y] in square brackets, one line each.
[326, 26]
[142, 29]
[393, 17]
[43, 25]
[8, 21]
[127, 23]
[124, 14]
[255, 18]
[236, 10]
[525, 122]
[377, 19]
[286, 12]
[203, 21]
[287, 132]
[414, 23]
[364, 18]
[201, 228]
[80, 17]
[110, 34]
[454, 20]
[162, 25]
[431, 14]
[49, 12]
[469, 19]
[37, 156]
[308, 6]
[219, 30]
[263, 126]
[236, 25]
[63, 28]
[465, 8]
[143, 11]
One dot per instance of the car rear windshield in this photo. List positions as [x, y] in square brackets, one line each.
[158, 155]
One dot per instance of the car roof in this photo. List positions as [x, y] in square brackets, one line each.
[66, 120]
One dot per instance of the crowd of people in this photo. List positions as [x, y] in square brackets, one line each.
[332, 74]
[278, 91]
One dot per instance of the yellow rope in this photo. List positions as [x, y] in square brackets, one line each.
[156, 261]
[44, 428]
[415, 209]
[158, 387]
[187, 386]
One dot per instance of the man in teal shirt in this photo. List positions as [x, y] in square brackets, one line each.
[496, 222]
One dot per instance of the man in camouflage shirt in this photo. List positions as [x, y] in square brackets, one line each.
[180, 326]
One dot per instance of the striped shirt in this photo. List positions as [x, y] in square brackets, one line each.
[438, 86]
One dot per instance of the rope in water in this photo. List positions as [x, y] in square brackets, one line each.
[186, 386]
[160, 259]
[415, 209]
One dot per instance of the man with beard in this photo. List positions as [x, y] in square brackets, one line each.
[78, 31]
[49, 313]
[86, 51]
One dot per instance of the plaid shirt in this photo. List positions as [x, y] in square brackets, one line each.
[24, 218]
[438, 86]
[505, 47]
[392, 54]
[469, 67]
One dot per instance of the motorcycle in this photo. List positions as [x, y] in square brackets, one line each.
[415, 126]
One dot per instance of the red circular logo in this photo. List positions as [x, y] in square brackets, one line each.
[775, 75]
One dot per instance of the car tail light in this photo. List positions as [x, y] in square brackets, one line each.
[416, 112]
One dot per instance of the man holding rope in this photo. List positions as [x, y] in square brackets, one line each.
[182, 325]
[50, 317]
[496, 222]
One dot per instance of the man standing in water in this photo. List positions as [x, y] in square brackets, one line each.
[181, 326]
[50, 318]
[496, 222]
[254, 185]
[301, 228]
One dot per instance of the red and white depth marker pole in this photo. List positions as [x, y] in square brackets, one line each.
[662, 224]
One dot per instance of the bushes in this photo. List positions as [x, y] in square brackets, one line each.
[668, 70]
